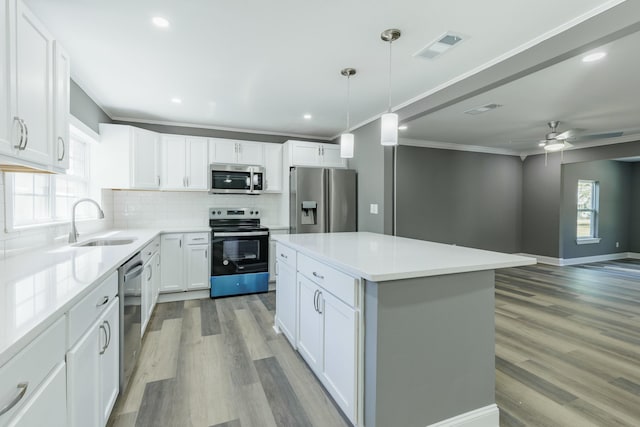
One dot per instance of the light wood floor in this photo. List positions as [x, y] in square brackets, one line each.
[567, 354]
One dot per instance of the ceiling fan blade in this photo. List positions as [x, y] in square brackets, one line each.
[569, 133]
[596, 136]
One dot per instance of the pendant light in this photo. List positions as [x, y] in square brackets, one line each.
[346, 139]
[389, 120]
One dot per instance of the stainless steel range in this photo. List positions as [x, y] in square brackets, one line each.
[240, 248]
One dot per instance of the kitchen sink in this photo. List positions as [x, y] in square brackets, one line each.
[105, 242]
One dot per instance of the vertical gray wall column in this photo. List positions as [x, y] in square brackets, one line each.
[458, 197]
[85, 109]
[634, 244]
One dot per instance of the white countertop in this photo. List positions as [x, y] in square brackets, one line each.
[378, 257]
[37, 287]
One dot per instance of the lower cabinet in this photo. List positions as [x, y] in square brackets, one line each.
[93, 371]
[185, 262]
[286, 296]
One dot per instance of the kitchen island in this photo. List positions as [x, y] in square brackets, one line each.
[400, 331]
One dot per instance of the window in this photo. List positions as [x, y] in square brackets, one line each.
[587, 218]
[39, 199]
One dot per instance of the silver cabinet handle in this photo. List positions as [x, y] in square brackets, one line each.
[158, 180]
[105, 299]
[315, 300]
[23, 389]
[180, 242]
[198, 238]
[283, 256]
[21, 124]
[319, 296]
[318, 276]
[109, 339]
[26, 134]
[106, 338]
[64, 149]
[206, 253]
[150, 273]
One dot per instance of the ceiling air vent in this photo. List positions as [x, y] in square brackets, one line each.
[482, 109]
[440, 46]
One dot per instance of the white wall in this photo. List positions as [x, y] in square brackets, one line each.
[16, 242]
[145, 209]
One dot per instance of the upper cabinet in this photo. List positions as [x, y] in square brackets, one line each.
[184, 163]
[34, 98]
[126, 158]
[273, 167]
[235, 152]
[303, 153]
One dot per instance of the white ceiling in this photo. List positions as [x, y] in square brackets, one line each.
[257, 65]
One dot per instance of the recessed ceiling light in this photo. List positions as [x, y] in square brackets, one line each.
[176, 100]
[596, 56]
[160, 22]
[403, 127]
[307, 116]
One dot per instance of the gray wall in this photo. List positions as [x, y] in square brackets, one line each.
[634, 244]
[373, 163]
[85, 109]
[614, 180]
[469, 199]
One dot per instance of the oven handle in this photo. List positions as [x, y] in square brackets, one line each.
[241, 234]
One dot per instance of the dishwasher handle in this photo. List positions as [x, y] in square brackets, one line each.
[133, 273]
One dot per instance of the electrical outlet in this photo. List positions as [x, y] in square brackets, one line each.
[373, 208]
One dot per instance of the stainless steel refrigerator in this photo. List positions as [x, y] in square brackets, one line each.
[322, 200]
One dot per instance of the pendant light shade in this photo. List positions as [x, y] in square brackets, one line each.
[347, 141]
[389, 130]
[346, 145]
[389, 120]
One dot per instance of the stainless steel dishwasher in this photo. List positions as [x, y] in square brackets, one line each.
[129, 289]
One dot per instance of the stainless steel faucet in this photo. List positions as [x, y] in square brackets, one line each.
[73, 235]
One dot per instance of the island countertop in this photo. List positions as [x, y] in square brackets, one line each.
[379, 257]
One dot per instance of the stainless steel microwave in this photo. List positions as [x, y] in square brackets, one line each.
[236, 179]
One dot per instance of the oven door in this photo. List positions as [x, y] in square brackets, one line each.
[239, 252]
[230, 179]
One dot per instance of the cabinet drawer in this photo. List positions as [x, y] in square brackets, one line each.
[285, 254]
[83, 314]
[196, 238]
[30, 367]
[338, 283]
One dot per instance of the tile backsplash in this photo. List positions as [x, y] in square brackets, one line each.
[16, 242]
[144, 209]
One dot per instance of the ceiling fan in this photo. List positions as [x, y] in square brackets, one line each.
[555, 141]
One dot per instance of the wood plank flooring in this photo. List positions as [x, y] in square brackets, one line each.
[567, 354]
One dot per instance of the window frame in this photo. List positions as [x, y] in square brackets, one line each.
[9, 184]
[594, 210]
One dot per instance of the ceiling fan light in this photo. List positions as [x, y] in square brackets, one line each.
[346, 145]
[554, 146]
[389, 129]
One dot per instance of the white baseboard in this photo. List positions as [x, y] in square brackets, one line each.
[488, 416]
[582, 260]
[184, 296]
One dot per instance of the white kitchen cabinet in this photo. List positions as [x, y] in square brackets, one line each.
[273, 167]
[156, 277]
[61, 102]
[235, 152]
[6, 146]
[48, 406]
[171, 250]
[146, 295]
[197, 267]
[126, 158]
[184, 163]
[286, 296]
[310, 329]
[185, 262]
[273, 252]
[93, 371]
[303, 153]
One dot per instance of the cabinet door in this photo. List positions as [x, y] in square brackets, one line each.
[145, 154]
[331, 156]
[305, 154]
[61, 93]
[340, 360]
[145, 295]
[156, 278]
[48, 406]
[173, 163]
[197, 164]
[273, 167]
[198, 267]
[223, 151]
[110, 361]
[83, 379]
[33, 73]
[6, 120]
[310, 324]
[172, 263]
[250, 153]
[286, 297]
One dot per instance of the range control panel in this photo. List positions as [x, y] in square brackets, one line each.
[233, 213]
